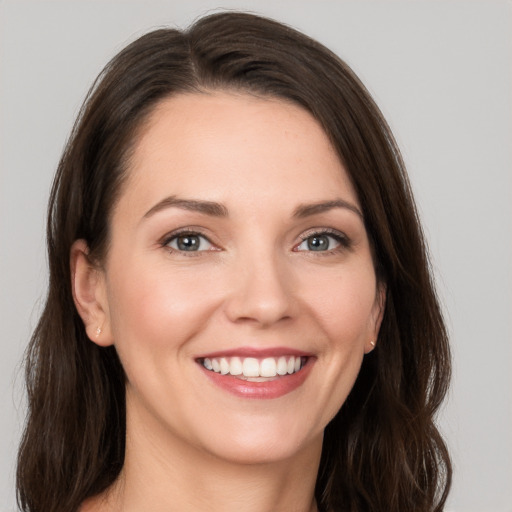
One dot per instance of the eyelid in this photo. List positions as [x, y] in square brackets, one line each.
[187, 230]
[342, 238]
[344, 241]
[322, 231]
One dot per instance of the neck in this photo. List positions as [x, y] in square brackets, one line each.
[162, 473]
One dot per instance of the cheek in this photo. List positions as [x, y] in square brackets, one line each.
[154, 307]
[343, 307]
[344, 304]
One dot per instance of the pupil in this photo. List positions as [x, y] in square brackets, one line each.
[318, 243]
[188, 243]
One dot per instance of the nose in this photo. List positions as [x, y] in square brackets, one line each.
[261, 292]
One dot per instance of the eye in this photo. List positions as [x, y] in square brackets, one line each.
[189, 242]
[321, 242]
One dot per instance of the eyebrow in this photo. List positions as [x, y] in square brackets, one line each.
[195, 205]
[306, 210]
[219, 210]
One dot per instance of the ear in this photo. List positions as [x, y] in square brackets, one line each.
[90, 294]
[377, 316]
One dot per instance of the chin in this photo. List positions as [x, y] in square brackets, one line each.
[263, 443]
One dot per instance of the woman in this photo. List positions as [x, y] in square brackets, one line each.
[240, 312]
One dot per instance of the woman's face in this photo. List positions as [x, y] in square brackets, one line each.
[238, 253]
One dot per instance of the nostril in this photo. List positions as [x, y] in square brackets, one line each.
[260, 294]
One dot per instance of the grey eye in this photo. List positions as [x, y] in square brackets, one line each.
[319, 242]
[189, 242]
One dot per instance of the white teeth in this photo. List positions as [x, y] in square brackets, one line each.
[236, 366]
[282, 366]
[251, 367]
[224, 366]
[270, 367]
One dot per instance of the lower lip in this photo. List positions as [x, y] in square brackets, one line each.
[270, 389]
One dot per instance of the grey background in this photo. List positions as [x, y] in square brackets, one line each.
[441, 72]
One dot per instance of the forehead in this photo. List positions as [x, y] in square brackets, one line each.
[223, 146]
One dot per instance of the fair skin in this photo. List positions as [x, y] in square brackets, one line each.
[272, 261]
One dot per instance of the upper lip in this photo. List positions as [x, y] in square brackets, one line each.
[257, 352]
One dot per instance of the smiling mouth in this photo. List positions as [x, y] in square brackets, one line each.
[253, 369]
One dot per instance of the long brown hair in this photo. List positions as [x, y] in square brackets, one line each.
[382, 452]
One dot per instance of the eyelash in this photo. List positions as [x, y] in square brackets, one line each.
[343, 241]
[184, 232]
